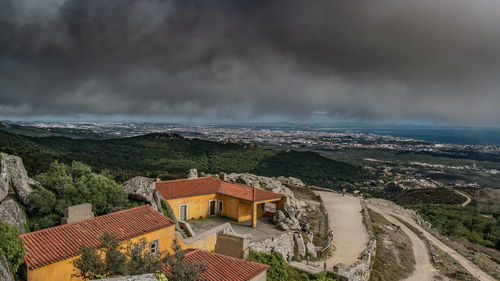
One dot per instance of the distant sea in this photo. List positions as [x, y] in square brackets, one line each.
[455, 135]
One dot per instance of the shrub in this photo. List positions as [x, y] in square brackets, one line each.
[11, 246]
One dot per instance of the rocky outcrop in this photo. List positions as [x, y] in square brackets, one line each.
[301, 246]
[288, 218]
[192, 174]
[278, 185]
[12, 214]
[143, 188]
[5, 273]
[311, 249]
[4, 186]
[12, 169]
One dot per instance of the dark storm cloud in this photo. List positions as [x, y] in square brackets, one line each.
[386, 59]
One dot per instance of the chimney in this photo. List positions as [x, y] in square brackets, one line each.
[77, 213]
[222, 176]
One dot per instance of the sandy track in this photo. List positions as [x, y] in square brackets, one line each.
[423, 266]
[350, 237]
[464, 195]
[468, 265]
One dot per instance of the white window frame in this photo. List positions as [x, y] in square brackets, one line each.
[156, 244]
[187, 211]
[221, 209]
[215, 209]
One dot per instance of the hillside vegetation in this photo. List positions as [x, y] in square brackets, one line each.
[170, 155]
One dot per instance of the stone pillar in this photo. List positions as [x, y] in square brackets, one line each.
[254, 214]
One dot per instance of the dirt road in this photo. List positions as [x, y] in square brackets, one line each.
[423, 266]
[464, 195]
[350, 237]
[422, 259]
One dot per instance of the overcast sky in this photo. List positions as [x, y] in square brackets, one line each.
[392, 60]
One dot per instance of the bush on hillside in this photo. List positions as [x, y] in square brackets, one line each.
[11, 246]
[67, 185]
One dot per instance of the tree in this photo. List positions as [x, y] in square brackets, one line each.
[179, 268]
[133, 258]
[66, 185]
[115, 259]
[11, 246]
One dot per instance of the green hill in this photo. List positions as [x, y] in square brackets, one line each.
[170, 155]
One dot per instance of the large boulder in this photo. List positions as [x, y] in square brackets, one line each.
[143, 188]
[5, 273]
[13, 169]
[311, 249]
[299, 241]
[278, 217]
[192, 174]
[4, 186]
[12, 214]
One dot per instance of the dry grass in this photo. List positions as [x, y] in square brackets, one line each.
[394, 259]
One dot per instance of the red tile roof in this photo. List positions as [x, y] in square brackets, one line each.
[208, 185]
[61, 242]
[223, 268]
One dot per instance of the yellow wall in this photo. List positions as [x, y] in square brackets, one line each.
[62, 270]
[230, 206]
[197, 205]
[245, 211]
[205, 243]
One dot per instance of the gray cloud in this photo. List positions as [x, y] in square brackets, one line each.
[436, 60]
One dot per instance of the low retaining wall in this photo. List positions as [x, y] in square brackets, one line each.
[282, 243]
[360, 270]
[207, 239]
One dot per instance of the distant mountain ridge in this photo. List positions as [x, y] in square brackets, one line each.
[167, 155]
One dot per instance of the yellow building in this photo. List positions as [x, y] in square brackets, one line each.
[49, 252]
[207, 196]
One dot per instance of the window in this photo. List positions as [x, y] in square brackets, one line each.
[153, 248]
[219, 206]
[183, 212]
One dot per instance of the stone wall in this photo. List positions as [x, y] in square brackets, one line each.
[282, 243]
[360, 270]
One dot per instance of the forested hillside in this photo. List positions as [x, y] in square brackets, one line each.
[170, 155]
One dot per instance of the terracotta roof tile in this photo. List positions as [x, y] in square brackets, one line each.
[61, 242]
[224, 268]
[208, 185]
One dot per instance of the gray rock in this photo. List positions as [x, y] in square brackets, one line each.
[13, 169]
[192, 174]
[143, 188]
[283, 226]
[311, 249]
[298, 215]
[299, 241]
[4, 186]
[12, 214]
[295, 224]
[289, 211]
[5, 273]
[278, 217]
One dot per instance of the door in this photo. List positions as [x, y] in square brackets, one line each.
[183, 211]
[211, 208]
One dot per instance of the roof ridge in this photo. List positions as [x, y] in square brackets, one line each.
[194, 250]
[177, 180]
[85, 220]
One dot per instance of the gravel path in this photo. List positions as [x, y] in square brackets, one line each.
[423, 266]
[350, 237]
[464, 195]
[421, 270]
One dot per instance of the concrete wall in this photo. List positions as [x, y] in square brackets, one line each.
[77, 213]
[62, 270]
[232, 245]
[282, 243]
[260, 277]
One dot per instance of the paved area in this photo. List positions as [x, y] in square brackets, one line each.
[264, 229]
[349, 233]
[422, 268]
